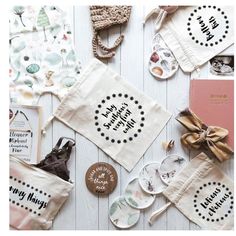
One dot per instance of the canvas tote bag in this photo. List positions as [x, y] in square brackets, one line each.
[35, 196]
[195, 34]
[204, 194]
[118, 118]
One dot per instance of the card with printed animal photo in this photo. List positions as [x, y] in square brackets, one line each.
[24, 132]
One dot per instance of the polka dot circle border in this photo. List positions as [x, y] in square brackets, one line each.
[208, 218]
[31, 188]
[194, 37]
[141, 112]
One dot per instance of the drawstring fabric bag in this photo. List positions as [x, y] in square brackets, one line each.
[107, 110]
[35, 195]
[203, 193]
[195, 34]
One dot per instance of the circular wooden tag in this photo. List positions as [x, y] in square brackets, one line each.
[101, 178]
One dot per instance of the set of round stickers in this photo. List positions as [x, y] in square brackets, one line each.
[141, 192]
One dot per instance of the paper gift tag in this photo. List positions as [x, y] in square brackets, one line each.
[122, 215]
[101, 178]
[171, 166]
[150, 180]
[136, 197]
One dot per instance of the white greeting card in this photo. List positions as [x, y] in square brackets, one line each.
[24, 132]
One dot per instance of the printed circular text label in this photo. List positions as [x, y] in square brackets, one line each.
[208, 25]
[213, 201]
[119, 118]
[101, 178]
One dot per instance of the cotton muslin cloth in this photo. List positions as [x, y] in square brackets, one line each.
[204, 194]
[35, 196]
[110, 112]
[195, 34]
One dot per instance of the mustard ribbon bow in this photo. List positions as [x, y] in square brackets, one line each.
[200, 135]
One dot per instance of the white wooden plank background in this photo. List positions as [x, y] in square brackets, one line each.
[83, 210]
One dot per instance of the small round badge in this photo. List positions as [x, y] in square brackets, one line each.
[150, 180]
[101, 178]
[136, 197]
[122, 215]
[170, 167]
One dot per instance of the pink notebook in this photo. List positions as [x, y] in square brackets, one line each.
[213, 102]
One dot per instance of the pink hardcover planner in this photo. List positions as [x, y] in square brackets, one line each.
[213, 102]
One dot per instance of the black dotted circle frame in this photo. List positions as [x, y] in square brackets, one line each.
[23, 207]
[29, 186]
[230, 206]
[139, 130]
[193, 37]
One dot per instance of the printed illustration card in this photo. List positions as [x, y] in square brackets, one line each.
[24, 132]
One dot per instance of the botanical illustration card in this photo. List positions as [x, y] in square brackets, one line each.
[24, 132]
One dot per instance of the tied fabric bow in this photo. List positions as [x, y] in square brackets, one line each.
[201, 135]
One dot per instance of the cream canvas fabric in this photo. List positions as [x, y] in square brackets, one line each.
[35, 196]
[196, 34]
[204, 194]
[118, 118]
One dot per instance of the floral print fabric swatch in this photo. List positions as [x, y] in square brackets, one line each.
[122, 215]
[136, 197]
[42, 57]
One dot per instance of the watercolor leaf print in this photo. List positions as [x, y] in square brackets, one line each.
[128, 192]
[71, 56]
[19, 47]
[53, 58]
[132, 201]
[43, 21]
[54, 30]
[132, 219]
[28, 83]
[19, 10]
[32, 68]
[68, 81]
[113, 208]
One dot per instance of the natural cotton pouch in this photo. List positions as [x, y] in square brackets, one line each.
[195, 34]
[203, 193]
[118, 118]
[36, 196]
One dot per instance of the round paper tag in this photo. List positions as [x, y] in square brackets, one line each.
[101, 178]
[136, 197]
[150, 180]
[122, 215]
